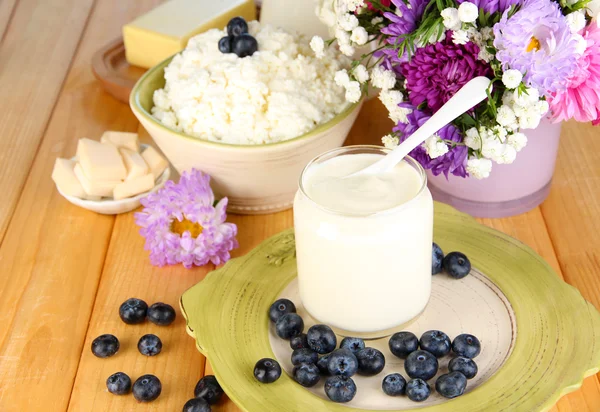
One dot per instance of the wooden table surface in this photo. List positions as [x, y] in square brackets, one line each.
[64, 270]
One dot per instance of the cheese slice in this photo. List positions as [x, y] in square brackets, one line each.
[122, 139]
[166, 30]
[155, 161]
[133, 187]
[135, 164]
[64, 177]
[100, 161]
[102, 188]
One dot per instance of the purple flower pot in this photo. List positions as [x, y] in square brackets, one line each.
[511, 189]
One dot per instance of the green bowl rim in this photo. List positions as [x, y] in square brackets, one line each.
[134, 102]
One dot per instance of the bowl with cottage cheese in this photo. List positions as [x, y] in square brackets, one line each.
[250, 120]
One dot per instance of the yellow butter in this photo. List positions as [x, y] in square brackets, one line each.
[122, 139]
[135, 163]
[64, 177]
[155, 161]
[100, 161]
[102, 188]
[166, 30]
[133, 187]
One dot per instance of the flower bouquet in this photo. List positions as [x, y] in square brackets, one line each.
[542, 56]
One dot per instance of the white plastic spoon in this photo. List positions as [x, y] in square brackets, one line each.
[468, 96]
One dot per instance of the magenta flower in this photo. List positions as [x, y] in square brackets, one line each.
[581, 99]
[437, 71]
[537, 41]
[181, 225]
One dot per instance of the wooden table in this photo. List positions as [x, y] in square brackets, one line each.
[64, 271]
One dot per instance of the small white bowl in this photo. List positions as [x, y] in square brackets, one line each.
[115, 207]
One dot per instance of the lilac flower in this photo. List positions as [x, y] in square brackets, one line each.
[537, 41]
[455, 161]
[492, 6]
[181, 225]
[437, 71]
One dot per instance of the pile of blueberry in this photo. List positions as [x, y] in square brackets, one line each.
[238, 40]
[456, 264]
[315, 356]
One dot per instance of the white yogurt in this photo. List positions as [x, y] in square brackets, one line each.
[363, 244]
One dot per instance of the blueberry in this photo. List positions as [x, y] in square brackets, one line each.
[466, 366]
[340, 389]
[417, 390]
[342, 362]
[299, 342]
[457, 265]
[437, 259]
[133, 311]
[435, 342]
[237, 26]
[421, 364]
[370, 361]
[304, 356]
[466, 345]
[149, 345]
[208, 388]
[403, 344]
[267, 370]
[451, 385]
[323, 364]
[289, 325]
[161, 314]
[226, 44]
[196, 405]
[280, 308]
[105, 346]
[118, 383]
[353, 344]
[306, 374]
[394, 385]
[147, 388]
[321, 339]
[244, 45]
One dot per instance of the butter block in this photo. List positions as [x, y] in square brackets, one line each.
[164, 31]
[130, 141]
[133, 187]
[102, 188]
[135, 164]
[66, 180]
[155, 161]
[100, 161]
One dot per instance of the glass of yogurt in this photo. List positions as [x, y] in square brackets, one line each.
[363, 243]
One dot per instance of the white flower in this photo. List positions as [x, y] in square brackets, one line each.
[507, 155]
[593, 9]
[318, 46]
[508, 98]
[576, 21]
[354, 5]
[517, 140]
[485, 55]
[512, 78]
[451, 20]
[460, 36]
[353, 92]
[505, 116]
[492, 149]
[500, 132]
[487, 33]
[347, 50]
[528, 97]
[390, 141]
[341, 78]
[530, 119]
[472, 139]
[468, 12]
[326, 13]
[399, 114]
[581, 43]
[361, 73]
[435, 147]
[382, 78]
[542, 107]
[391, 99]
[348, 21]
[479, 168]
[359, 36]
[376, 21]
[343, 37]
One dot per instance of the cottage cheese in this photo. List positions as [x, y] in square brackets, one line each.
[281, 92]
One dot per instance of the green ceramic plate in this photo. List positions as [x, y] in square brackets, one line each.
[540, 337]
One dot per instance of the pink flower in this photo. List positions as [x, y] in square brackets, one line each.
[581, 99]
[385, 3]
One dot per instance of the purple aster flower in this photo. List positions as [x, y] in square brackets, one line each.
[492, 6]
[402, 23]
[437, 71]
[455, 161]
[181, 225]
[537, 41]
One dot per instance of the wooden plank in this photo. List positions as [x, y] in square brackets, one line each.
[53, 252]
[41, 39]
[7, 8]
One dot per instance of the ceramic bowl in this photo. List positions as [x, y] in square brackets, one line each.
[114, 207]
[257, 179]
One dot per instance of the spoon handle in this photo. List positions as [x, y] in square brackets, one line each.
[472, 93]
